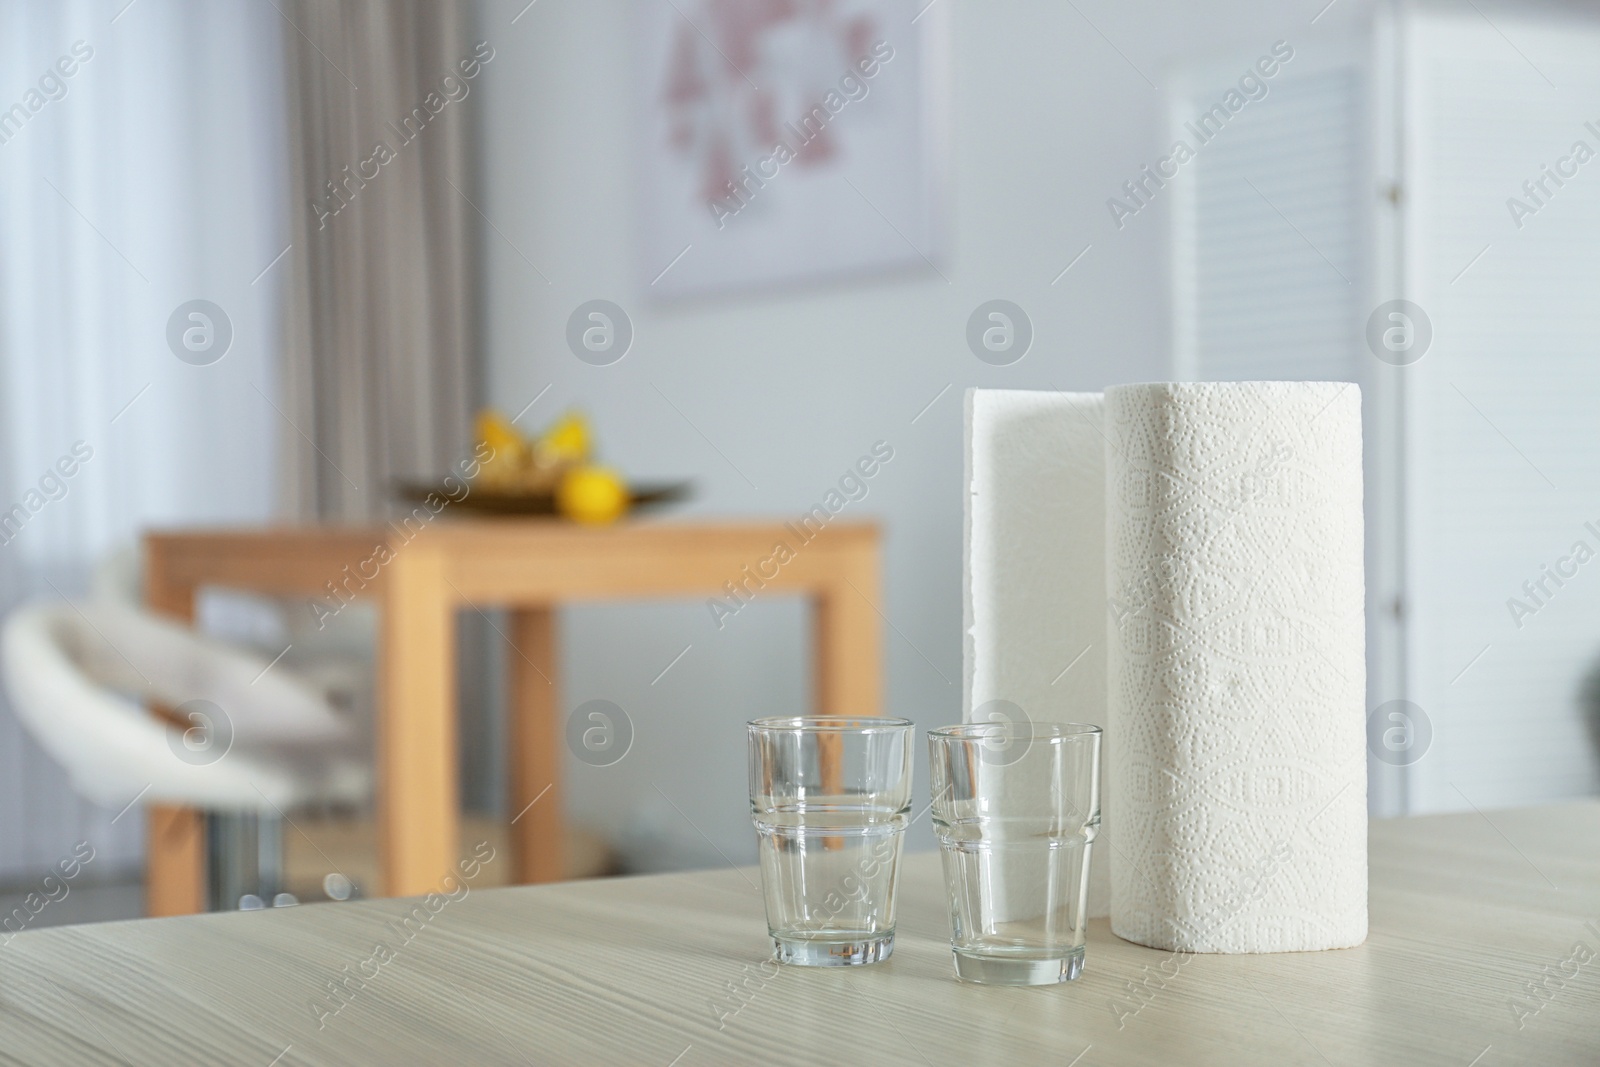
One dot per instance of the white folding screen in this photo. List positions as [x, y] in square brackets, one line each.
[1503, 412]
[1396, 170]
[1277, 236]
[1270, 223]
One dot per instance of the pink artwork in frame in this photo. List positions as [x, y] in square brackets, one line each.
[788, 141]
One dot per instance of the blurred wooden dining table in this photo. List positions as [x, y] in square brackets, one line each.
[421, 577]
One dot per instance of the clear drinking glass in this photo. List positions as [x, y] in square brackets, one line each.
[829, 798]
[1016, 806]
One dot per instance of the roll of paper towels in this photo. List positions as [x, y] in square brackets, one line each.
[1237, 665]
[1220, 611]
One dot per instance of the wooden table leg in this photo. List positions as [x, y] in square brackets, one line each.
[847, 637]
[175, 861]
[418, 795]
[538, 746]
[175, 837]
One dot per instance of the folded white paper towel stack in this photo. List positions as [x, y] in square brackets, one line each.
[1035, 599]
[1203, 544]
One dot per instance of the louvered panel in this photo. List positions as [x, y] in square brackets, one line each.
[1269, 234]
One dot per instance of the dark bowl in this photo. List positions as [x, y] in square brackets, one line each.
[490, 501]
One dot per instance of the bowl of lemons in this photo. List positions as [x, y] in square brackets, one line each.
[553, 473]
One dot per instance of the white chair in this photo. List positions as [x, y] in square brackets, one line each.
[334, 655]
[259, 740]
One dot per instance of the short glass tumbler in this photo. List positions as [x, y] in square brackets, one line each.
[1016, 806]
[829, 798]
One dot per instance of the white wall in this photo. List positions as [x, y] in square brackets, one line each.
[1048, 119]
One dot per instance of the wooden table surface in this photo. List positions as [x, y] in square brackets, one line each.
[423, 573]
[1467, 910]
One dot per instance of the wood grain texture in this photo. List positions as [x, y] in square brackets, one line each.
[671, 970]
[418, 793]
[175, 860]
[434, 568]
[511, 561]
[538, 748]
[175, 837]
[847, 632]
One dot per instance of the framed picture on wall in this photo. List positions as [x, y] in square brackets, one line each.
[786, 142]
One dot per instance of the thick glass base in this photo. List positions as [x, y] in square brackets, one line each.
[812, 952]
[1012, 970]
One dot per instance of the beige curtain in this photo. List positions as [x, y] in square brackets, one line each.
[380, 333]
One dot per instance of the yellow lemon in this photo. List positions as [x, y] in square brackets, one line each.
[509, 449]
[495, 430]
[567, 441]
[593, 495]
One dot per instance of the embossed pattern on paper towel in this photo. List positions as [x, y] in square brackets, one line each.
[1237, 665]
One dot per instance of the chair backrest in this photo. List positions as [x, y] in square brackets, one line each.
[119, 576]
[79, 676]
[139, 652]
